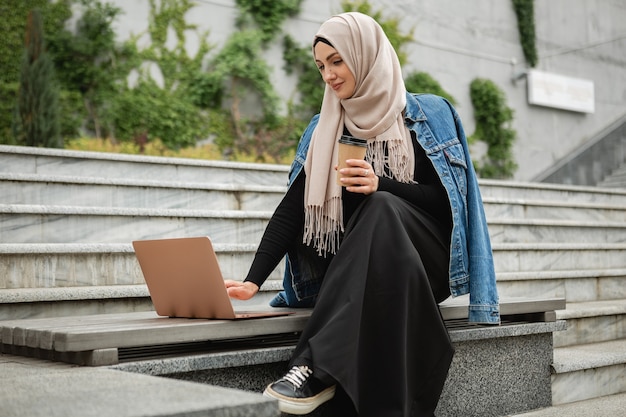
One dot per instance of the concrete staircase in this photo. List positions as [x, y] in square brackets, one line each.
[573, 245]
[617, 179]
[67, 220]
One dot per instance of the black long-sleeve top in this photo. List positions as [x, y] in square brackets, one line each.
[287, 222]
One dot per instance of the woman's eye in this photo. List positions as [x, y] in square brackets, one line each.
[338, 62]
[321, 68]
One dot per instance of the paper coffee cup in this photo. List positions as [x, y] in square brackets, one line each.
[349, 148]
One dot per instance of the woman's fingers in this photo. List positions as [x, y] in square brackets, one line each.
[359, 177]
[240, 290]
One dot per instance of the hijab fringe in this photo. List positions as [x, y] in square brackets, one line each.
[396, 159]
[323, 225]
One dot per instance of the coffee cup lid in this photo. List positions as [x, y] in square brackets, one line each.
[351, 140]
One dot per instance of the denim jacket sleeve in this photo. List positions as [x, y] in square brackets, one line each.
[302, 149]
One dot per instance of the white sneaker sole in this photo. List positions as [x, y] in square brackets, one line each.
[300, 406]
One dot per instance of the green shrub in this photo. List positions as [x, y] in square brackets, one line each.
[421, 82]
[150, 112]
[493, 118]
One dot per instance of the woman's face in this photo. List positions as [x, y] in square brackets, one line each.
[334, 70]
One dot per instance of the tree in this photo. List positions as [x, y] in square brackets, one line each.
[12, 26]
[89, 62]
[36, 118]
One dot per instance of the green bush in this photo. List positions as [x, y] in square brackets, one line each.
[493, 118]
[150, 112]
[421, 82]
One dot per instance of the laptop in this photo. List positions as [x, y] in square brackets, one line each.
[184, 280]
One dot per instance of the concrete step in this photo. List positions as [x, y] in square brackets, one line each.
[573, 285]
[27, 303]
[34, 189]
[609, 405]
[503, 230]
[519, 267]
[552, 192]
[54, 162]
[59, 162]
[24, 223]
[519, 208]
[588, 371]
[592, 322]
[83, 265]
[539, 257]
[71, 224]
[52, 279]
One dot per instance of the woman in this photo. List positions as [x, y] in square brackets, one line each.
[376, 255]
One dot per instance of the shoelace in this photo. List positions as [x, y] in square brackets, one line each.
[298, 375]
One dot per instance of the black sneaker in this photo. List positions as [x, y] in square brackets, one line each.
[298, 392]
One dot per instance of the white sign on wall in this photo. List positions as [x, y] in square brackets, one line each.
[561, 92]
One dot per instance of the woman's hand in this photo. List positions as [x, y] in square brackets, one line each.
[359, 177]
[241, 290]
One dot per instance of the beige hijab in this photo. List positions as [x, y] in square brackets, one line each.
[374, 112]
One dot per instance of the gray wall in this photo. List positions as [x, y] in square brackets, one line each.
[459, 40]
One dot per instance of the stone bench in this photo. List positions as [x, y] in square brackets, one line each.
[496, 369]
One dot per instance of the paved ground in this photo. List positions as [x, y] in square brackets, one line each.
[35, 388]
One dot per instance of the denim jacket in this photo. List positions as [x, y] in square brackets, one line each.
[439, 131]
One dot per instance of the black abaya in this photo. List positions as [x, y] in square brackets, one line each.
[376, 328]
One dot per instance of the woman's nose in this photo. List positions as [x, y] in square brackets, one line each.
[329, 75]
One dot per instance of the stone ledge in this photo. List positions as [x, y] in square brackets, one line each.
[506, 330]
[251, 357]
